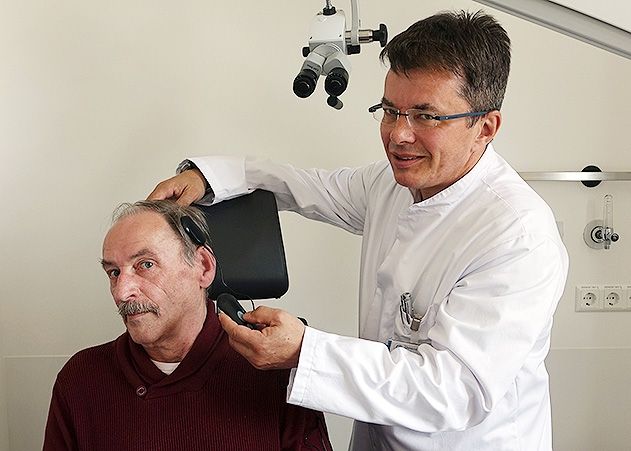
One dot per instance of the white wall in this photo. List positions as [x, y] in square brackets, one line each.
[99, 101]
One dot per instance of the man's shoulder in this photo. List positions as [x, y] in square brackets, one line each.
[380, 183]
[500, 207]
[507, 192]
[88, 360]
[380, 170]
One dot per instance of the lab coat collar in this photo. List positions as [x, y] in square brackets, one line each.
[453, 193]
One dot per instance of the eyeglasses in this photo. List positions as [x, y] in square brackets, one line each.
[417, 119]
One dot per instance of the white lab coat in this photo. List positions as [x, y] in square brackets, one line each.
[485, 267]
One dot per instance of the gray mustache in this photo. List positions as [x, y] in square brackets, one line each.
[133, 308]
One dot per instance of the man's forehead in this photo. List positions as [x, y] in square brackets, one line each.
[422, 89]
[130, 235]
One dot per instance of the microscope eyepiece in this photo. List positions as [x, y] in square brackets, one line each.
[305, 83]
[336, 81]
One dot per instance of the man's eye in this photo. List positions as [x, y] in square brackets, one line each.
[146, 265]
[390, 113]
[422, 117]
[113, 273]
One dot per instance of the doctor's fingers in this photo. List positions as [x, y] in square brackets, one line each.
[185, 188]
[269, 316]
[283, 338]
[273, 347]
[280, 327]
[240, 337]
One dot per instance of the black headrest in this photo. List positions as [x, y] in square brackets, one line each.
[247, 241]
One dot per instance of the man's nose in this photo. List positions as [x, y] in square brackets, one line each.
[401, 131]
[125, 287]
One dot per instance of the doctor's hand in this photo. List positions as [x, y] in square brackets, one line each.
[275, 345]
[185, 188]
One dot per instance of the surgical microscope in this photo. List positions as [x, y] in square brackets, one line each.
[329, 44]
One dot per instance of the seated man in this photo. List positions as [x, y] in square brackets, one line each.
[171, 382]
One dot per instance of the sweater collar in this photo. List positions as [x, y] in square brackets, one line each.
[192, 372]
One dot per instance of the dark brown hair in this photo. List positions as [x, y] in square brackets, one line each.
[472, 46]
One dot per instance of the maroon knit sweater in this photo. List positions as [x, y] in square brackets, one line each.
[113, 398]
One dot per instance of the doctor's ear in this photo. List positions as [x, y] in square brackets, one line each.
[490, 127]
[491, 123]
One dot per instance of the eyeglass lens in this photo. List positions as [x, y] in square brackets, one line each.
[415, 118]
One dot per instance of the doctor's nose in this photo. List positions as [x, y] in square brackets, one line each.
[401, 131]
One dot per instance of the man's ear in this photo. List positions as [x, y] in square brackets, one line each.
[209, 266]
[491, 123]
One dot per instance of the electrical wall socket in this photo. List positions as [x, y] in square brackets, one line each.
[614, 297]
[603, 298]
[589, 298]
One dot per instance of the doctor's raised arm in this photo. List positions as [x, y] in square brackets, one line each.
[462, 263]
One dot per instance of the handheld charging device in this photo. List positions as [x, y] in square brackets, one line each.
[229, 305]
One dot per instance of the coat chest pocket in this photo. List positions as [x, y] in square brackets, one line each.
[412, 326]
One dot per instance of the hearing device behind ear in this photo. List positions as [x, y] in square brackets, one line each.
[193, 230]
[197, 236]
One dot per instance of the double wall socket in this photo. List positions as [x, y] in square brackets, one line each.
[603, 298]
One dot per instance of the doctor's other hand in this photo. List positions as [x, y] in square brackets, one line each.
[275, 345]
[185, 188]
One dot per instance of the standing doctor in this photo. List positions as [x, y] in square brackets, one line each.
[462, 265]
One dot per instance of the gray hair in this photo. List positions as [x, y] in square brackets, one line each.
[172, 214]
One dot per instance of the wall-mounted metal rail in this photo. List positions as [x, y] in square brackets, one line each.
[563, 176]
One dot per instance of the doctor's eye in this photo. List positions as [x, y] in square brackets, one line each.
[422, 118]
[112, 273]
[390, 115]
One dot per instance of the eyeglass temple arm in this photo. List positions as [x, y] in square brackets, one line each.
[456, 116]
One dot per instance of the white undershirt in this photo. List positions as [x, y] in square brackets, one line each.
[166, 367]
